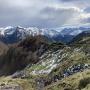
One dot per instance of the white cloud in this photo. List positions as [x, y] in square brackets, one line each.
[43, 13]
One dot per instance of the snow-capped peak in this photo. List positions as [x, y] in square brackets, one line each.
[9, 27]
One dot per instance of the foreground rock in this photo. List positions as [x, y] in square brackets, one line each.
[10, 87]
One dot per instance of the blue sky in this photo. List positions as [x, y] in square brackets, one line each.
[44, 13]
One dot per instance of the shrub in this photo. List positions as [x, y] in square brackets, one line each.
[84, 82]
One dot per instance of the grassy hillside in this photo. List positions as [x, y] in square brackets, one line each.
[78, 81]
[34, 64]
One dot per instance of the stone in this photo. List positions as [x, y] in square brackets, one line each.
[11, 87]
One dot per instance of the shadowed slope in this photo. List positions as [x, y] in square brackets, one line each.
[24, 53]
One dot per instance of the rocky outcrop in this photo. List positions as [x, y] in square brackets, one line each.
[10, 87]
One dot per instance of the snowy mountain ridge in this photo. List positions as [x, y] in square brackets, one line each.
[57, 33]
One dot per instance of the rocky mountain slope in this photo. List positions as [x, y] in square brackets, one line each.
[63, 61]
[78, 61]
[45, 65]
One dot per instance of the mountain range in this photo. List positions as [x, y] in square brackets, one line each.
[64, 34]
